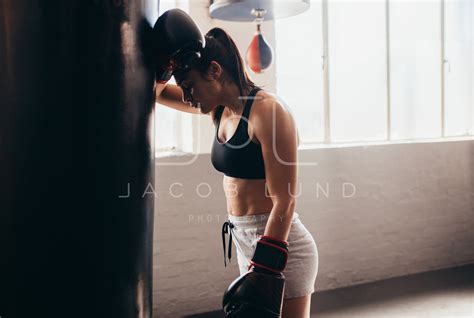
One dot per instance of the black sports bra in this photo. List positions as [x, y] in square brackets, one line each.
[239, 157]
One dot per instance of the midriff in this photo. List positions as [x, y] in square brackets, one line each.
[246, 196]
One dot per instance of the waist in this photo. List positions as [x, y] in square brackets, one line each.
[246, 196]
[254, 220]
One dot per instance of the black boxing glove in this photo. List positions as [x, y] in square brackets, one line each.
[270, 255]
[259, 292]
[177, 43]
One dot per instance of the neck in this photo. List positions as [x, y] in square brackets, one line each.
[231, 100]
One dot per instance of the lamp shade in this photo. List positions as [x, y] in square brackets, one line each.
[241, 10]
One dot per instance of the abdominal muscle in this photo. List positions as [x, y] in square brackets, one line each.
[246, 196]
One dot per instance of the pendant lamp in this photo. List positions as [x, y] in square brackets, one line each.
[259, 55]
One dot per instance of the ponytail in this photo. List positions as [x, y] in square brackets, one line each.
[221, 48]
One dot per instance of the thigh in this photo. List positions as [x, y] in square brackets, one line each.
[302, 266]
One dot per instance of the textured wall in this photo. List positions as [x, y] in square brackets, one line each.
[412, 211]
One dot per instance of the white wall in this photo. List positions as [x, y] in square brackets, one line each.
[412, 212]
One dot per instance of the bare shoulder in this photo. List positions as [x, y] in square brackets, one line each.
[269, 112]
[267, 105]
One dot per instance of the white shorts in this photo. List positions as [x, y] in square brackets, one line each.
[302, 266]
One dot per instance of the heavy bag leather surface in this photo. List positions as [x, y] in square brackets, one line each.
[76, 157]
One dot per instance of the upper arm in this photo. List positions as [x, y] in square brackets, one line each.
[172, 96]
[276, 131]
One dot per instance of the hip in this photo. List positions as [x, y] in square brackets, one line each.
[247, 229]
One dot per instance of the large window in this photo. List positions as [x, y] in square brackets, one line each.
[354, 71]
[394, 69]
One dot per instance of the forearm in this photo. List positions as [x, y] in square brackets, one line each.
[159, 88]
[171, 95]
[279, 223]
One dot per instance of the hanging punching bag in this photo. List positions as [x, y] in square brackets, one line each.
[76, 158]
[259, 53]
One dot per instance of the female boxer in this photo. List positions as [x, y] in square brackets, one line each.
[255, 146]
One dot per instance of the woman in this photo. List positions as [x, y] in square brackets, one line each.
[258, 161]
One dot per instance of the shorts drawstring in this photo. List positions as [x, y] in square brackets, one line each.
[227, 229]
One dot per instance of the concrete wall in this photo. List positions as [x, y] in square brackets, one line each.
[412, 211]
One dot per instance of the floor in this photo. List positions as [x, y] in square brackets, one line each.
[443, 293]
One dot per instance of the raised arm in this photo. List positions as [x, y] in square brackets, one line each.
[171, 96]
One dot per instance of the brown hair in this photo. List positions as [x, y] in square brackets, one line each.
[221, 48]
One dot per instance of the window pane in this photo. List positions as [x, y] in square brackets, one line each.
[459, 86]
[299, 75]
[415, 57]
[357, 70]
[166, 120]
[166, 126]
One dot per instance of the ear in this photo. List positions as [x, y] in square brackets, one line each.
[214, 71]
